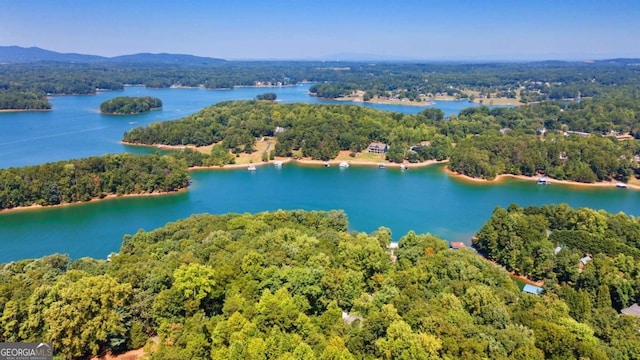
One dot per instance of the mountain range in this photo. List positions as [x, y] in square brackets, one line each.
[17, 54]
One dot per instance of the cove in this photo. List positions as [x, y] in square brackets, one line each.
[424, 200]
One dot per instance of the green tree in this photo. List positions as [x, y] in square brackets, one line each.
[88, 316]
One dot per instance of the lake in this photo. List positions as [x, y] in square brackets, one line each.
[424, 200]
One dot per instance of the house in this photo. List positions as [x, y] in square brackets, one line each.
[579, 133]
[625, 137]
[378, 148]
[557, 249]
[585, 260]
[457, 245]
[633, 310]
[278, 130]
[530, 289]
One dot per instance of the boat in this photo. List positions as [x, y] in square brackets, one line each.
[382, 165]
[621, 185]
[543, 180]
[403, 167]
[326, 164]
[277, 163]
[344, 164]
[251, 167]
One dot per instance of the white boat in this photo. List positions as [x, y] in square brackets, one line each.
[543, 180]
[382, 165]
[251, 167]
[326, 164]
[344, 164]
[277, 163]
[622, 185]
[403, 167]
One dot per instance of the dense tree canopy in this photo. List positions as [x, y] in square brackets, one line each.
[130, 105]
[23, 100]
[267, 96]
[589, 257]
[94, 177]
[532, 82]
[295, 284]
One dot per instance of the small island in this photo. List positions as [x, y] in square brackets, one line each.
[267, 97]
[126, 105]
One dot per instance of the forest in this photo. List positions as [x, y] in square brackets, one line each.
[299, 285]
[532, 82]
[571, 141]
[28, 100]
[71, 181]
[123, 105]
[589, 258]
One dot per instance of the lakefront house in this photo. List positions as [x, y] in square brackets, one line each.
[378, 148]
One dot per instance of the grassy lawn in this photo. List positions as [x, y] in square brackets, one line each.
[362, 156]
[255, 157]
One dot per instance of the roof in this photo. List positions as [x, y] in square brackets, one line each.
[585, 260]
[625, 137]
[457, 245]
[536, 290]
[392, 245]
[633, 310]
[378, 145]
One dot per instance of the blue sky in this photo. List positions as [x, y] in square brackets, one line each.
[330, 29]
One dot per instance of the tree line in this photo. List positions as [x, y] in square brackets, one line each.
[28, 100]
[534, 81]
[130, 105]
[89, 178]
[295, 284]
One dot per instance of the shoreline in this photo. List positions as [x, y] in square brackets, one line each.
[127, 114]
[238, 166]
[379, 102]
[321, 163]
[24, 110]
[387, 164]
[95, 199]
[501, 177]
[161, 146]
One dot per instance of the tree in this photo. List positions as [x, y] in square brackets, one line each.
[88, 316]
[196, 283]
[267, 97]
[402, 343]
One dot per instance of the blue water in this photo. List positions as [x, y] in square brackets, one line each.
[424, 200]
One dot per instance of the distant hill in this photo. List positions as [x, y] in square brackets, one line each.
[17, 54]
[165, 59]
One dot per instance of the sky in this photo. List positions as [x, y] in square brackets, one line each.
[330, 29]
